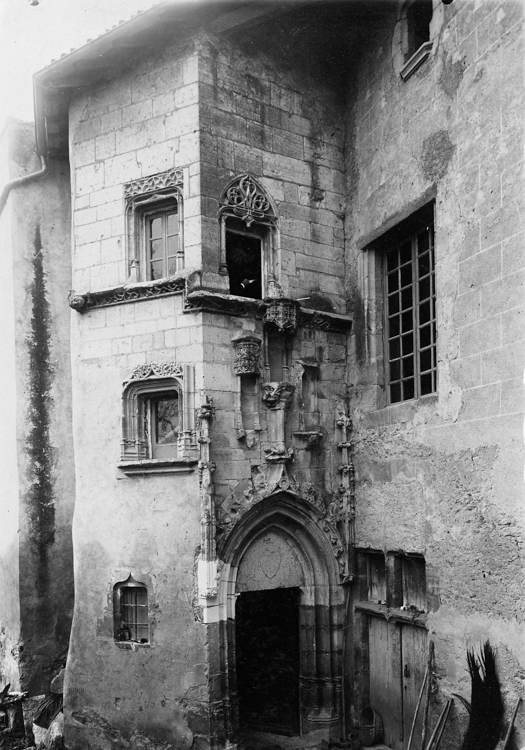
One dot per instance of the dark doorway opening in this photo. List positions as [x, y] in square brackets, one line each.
[267, 647]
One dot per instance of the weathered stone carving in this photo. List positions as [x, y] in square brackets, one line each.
[278, 455]
[282, 313]
[325, 321]
[208, 570]
[342, 511]
[76, 301]
[277, 394]
[122, 294]
[312, 438]
[246, 199]
[247, 355]
[157, 369]
[161, 181]
[226, 304]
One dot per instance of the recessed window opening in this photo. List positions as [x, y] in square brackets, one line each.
[244, 247]
[414, 582]
[164, 253]
[418, 18]
[163, 423]
[131, 611]
[410, 315]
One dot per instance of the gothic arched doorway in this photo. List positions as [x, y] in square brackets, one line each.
[279, 565]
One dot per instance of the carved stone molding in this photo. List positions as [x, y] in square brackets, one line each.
[278, 455]
[312, 438]
[225, 304]
[126, 293]
[273, 479]
[157, 369]
[161, 181]
[283, 313]
[244, 198]
[277, 394]
[247, 355]
[325, 321]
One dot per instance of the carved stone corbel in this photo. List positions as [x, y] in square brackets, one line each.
[247, 350]
[282, 313]
[277, 394]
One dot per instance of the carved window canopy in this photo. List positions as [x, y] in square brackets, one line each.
[245, 199]
[144, 448]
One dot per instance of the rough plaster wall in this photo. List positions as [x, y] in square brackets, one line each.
[9, 539]
[41, 276]
[256, 117]
[445, 477]
[269, 563]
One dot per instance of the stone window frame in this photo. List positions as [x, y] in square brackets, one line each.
[145, 383]
[374, 296]
[245, 199]
[400, 43]
[156, 193]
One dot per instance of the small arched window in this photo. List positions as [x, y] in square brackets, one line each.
[418, 18]
[130, 611]
[249, 237]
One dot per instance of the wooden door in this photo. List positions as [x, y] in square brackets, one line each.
[413, 658]
[397, 655]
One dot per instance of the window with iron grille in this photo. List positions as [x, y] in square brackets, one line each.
[410, 314]
[131, 619]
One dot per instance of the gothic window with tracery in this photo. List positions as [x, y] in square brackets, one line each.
[248, 237]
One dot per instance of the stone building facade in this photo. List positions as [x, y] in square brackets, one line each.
[296, 366]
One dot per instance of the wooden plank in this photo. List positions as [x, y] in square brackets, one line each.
[414, 657]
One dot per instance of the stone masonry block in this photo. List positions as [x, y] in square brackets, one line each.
[111, 121]
[190, 69]
[89, 178]
[112, 249]
[480, 269]
[105, 146]
[106, 195]
[140, 134]
[86, 256]
[481, 402]
[500, 225]
[84, 153]
[513, 325]
[121, 169]
[503, 294]
[87, 130]
[143, 342]
[106, 275]
[512, 396]
[484, 335]
[109, 210]
[188, 149]
[503, 364]
[186, 95]
[513, 257]
[163, 104]
[87, 233]
[466, 372]
[185, 120]
[157, 158]
[86, 216]
[467, 308]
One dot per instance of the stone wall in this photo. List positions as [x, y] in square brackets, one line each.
[443, 476]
